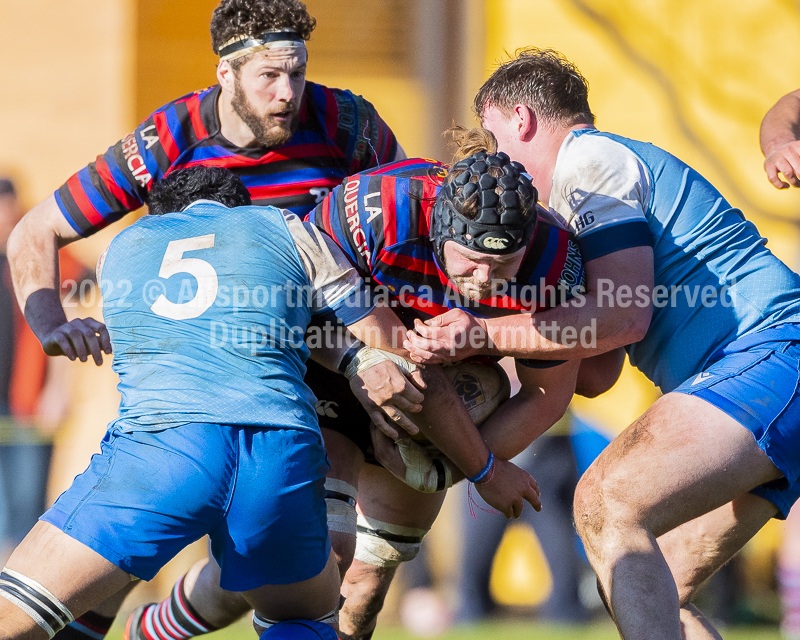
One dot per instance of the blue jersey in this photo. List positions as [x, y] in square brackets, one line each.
[715, 280]
[207, 311]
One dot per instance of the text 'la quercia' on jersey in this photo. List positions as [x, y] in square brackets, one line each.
[338, 134]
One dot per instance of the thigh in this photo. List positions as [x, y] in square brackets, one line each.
[275, 528]
[75, 574]
[684, 457]
[383, 497]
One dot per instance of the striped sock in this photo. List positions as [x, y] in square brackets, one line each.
[173, 619]
[789, 589]
[89, 626]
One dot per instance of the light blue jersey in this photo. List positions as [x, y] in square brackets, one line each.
[207, 311]
[715, 280]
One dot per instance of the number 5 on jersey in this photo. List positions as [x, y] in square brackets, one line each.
[207, 281]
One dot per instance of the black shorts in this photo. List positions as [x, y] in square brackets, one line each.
[337, 407]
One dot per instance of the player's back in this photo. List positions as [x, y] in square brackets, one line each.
[206, 310]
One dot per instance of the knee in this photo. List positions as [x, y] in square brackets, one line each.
[600, 517]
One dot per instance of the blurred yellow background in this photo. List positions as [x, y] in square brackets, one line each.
[693, 77]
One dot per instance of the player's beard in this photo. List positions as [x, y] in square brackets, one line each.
[268, 131]
[476, 290]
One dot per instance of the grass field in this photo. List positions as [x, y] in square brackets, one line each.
[508, 631]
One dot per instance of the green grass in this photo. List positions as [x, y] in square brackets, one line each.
[504, 630]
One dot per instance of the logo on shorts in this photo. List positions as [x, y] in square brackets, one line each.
[701, 378]
[324, 408]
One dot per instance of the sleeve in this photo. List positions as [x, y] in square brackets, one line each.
[369, 142]
[115, 184]
[337, 289]
[601, 189]
[340, 216]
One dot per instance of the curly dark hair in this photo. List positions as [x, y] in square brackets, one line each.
[252, 17]
[544, 81]
[182, 187]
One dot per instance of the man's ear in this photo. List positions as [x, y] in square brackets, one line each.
[225, 76]
[525, 121]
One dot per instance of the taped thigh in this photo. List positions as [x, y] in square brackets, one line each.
[383, 544]
[46, 610]
[340, 503]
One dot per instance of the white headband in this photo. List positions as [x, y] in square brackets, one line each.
[245, 45]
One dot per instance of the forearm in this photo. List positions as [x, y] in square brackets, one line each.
[781, 124]
[614, 311]
[568, 332]
[33, 249]
[335, 342]
[445, 422]
[33, 259]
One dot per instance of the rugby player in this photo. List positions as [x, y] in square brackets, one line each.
[218, 437]
[713, 317]
[477, 243]
[289, 140]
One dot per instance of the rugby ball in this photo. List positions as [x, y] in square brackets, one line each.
[481, 387]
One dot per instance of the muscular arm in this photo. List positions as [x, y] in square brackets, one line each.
[33, 249]
[780, 141]
[541, 401]
[446, 423]
[33, 257]
[542, 335]
[586, 326]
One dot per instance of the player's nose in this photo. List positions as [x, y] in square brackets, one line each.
[284, 90]
[483, 273]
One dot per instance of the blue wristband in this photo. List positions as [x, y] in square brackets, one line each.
[486, 470]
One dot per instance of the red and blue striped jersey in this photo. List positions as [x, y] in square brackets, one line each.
[338, 134]
[381, 219]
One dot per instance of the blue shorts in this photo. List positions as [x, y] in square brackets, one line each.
[257, 492]
[756, 383]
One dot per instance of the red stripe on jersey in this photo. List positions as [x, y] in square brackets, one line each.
[409, 262]
[426, 306]
[389, 206]
[283, 190]
[193, 105]
[83, 202]
[101, 166]
[165, 136]
[429, 186]
[325, 214]
[303, 151]
[401, 164]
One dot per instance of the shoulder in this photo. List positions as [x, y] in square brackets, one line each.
[590, 159]
[192, 116]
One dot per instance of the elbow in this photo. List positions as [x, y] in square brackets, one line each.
[638, 323]
[16, 241]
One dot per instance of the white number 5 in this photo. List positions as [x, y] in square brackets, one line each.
[207, 281]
